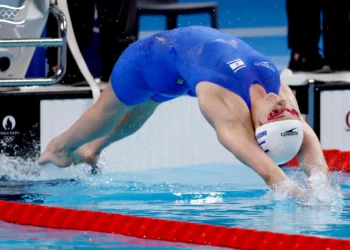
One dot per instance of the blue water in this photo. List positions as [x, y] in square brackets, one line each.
[220, 194]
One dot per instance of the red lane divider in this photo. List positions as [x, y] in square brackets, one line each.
[160, 229]
[337, 160]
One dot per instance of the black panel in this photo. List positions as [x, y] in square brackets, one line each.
[19, 125]
[20, 120]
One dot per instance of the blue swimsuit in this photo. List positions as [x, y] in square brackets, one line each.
[171, 63]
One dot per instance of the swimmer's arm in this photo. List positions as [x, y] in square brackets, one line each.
[310, 156]
[244, 147]
[242, 144]
[232, 130]
[235, 138]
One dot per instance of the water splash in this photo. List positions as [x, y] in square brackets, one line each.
[198, 198]
[324, 191]
[17, 168]
[318, 191]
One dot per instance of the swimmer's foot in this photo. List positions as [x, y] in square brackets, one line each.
[86, 154]
[55, 155]
[59, 159]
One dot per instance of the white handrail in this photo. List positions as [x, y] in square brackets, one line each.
[73, 46]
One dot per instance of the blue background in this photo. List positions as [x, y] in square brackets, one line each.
[233, 14]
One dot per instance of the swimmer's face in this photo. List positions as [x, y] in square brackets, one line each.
[274, 108]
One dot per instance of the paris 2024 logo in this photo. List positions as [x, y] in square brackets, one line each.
[12, 15]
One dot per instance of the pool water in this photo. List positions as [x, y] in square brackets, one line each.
[24, 237]
[220, 194]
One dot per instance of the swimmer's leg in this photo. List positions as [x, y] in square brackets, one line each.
[130, 122]
[96, 122]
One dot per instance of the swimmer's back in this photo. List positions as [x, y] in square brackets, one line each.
[170, 64]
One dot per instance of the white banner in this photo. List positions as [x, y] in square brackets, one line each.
[335, 119]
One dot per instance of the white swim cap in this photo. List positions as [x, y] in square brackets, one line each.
[281, 140]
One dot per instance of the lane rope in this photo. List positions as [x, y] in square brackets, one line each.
[337, 160]
[161, 229]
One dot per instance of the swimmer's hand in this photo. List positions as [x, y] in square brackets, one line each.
[322, 198]
[289, 189]
[320, 191]
[56, 155]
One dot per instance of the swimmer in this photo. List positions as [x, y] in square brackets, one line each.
[239, 92]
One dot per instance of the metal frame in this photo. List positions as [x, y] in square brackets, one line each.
[311, 104]
[314, 88]
[315, 94]
[60, 42]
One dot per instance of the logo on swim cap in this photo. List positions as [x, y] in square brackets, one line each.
[281, 140]
[261, 134]
[289, 133]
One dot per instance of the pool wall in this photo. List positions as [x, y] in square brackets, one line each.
[176, 135]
